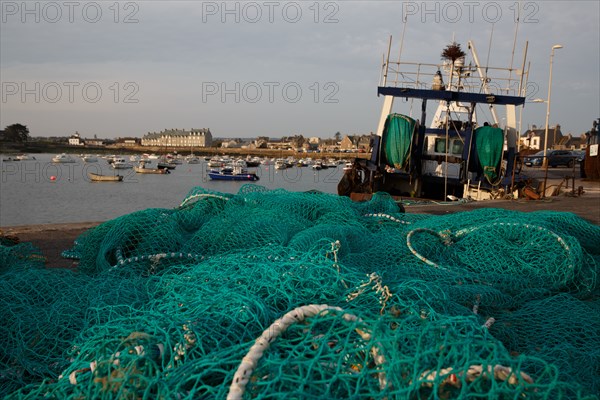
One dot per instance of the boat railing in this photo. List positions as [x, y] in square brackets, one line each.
[464, 78]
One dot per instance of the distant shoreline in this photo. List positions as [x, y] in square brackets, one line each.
[45, 147]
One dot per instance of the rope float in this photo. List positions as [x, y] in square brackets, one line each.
[249, 362]
[154, 258]
[387, 216]
[497, 372]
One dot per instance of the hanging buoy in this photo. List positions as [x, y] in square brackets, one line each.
[53, 178]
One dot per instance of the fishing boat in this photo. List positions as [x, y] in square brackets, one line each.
[104, 178]
[234, 173]
[455, 155]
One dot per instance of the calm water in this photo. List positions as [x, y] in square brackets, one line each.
[29, 196]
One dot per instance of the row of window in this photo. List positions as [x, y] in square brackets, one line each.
[441, 147]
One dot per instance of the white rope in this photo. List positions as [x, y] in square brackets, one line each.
[262, 344]
[201, 195]
[447, 239]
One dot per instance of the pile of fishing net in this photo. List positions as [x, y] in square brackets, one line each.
[275, 294]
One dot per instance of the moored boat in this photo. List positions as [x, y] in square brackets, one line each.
[232, 174]
[120, 163]
[142, 169]
[63, 158]
[165, 165]
[89, 158]
[104, 178]
[456, 156]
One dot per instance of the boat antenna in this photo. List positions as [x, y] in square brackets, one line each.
[512, 56]
[404, 23]
[387, 63]
[487, 61]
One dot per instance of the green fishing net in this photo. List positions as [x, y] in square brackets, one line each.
[277, 294]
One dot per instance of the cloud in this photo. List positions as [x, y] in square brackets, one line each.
[173, 51]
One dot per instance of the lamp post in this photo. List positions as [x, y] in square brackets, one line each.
[545, 162]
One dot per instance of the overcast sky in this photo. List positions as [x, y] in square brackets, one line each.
[271, 68]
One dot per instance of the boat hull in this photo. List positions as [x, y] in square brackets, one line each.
[157, 171]
[166, 165]
[104, 178]
[216, 176]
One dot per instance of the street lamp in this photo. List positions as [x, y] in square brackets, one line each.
[545, 162]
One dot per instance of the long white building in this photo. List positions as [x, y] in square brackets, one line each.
[179, 138]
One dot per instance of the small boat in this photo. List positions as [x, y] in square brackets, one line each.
[280, 164]
[23, 157]
[215, 162]
[63, 158]
[192, 159]
[232, 174]
[88, 158]
[120, 163]
[141, 169]
[165, 165]
[104, 178]
[253, 162]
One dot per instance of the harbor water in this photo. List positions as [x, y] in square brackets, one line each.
[38, 191]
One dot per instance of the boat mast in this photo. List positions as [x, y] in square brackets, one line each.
[482, 76]
[388, 101]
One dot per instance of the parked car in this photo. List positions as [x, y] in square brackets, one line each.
[555, 158]
[580, 154]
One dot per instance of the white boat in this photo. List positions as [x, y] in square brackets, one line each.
[215, 162]
[63, 158]
[142, 169]
[89, 158]
[120, 163]
[23, 157]
[331, 163]
[280, 163]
